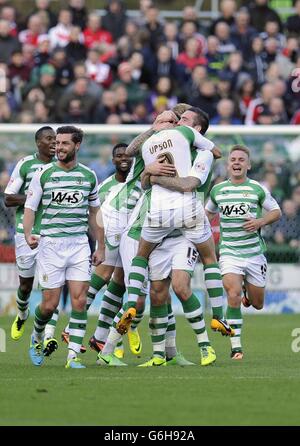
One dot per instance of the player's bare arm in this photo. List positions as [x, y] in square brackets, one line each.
[165, 120]
[158, 168]
[183, 184]
[97, 230]
[28, 222]
[13, 200]
[210, 215]
[253, 224]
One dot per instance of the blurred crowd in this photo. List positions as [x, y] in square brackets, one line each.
[77, 66]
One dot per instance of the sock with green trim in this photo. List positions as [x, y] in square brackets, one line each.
[235, 320]
[113, 339]
[139, 316]
[40, 322]
[214, 286]
[96, 284]
[77, 327]
[22, 301]
[194, 314]
[171, 349]
[110, 306]
[50, 327]
[158, 323]
[137, 276]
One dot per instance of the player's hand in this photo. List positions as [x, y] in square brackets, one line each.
[98, 256]
[32, 241]
[253, 224]
[165, 120]
[160, 168]
[216, 153]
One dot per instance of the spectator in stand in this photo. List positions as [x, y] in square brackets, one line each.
[106, 107]
[9, 13]
[228, 10]
[234, 68]
[140, 114]
[259, 106]
[139, 70]
[225, 114]
[44, 7]
[260, 13]
[18, 71]
[206, 98]
[41, 113]
[144, 5]
[131, 30]
[223, 86]
[78, 101]
[34, 30]
[154, 27]
[190, 14]
[172, 40]
[98, 71]
[94, 34]
[277, 112]
[272, 31]
[8, 43]
[165, 65]
[42, 53]
[134, 90]
[292, 24]
[189, 30]
[296, 197]
[63, 67]
[78, 12]
[256, 61]
[245, 94]
[75, 50]
[242, 33]
[287, 229]
[123, 106]
[115, 18]
[163, 89]
[222, 32]
[286, 58]
[191, 57]
[271, 49]
[191, 88]
[215, 59]
[60, 34]
[93, 88]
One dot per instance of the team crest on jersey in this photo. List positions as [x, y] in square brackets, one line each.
[45, 278]
[200, 167]
[67, 198]
[79, 181]
[235, 210]
[117, 237]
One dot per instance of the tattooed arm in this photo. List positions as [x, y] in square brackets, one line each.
[165, 120]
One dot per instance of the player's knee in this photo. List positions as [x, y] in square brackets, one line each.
[182, 291]
[157, 298]
[79, 304]
[48, 308]
[234, 298]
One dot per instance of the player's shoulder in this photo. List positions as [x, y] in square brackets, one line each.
[26, 160]
[219, 186]
[257, 186]
[85, 169]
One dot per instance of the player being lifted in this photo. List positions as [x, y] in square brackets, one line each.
[240, 201]
[174, 204]
[68, 193]
[15, 196]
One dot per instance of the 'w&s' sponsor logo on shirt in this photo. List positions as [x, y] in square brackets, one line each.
[70, 198]
[235, 210]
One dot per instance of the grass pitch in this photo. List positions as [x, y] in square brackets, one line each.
[263, 389]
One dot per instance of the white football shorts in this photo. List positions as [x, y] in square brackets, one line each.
[26, 257]
[254, 269]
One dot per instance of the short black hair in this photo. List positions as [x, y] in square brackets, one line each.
[77, 134]
[118, 146]
[202, 119]
[39, 132]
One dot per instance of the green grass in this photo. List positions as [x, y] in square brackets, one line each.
[263, 389]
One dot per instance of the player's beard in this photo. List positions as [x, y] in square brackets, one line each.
[69, 157]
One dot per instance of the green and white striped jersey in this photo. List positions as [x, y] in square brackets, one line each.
[65, 197]
[125, 198]
[19, 183]
[107, 187]
[236, 203]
